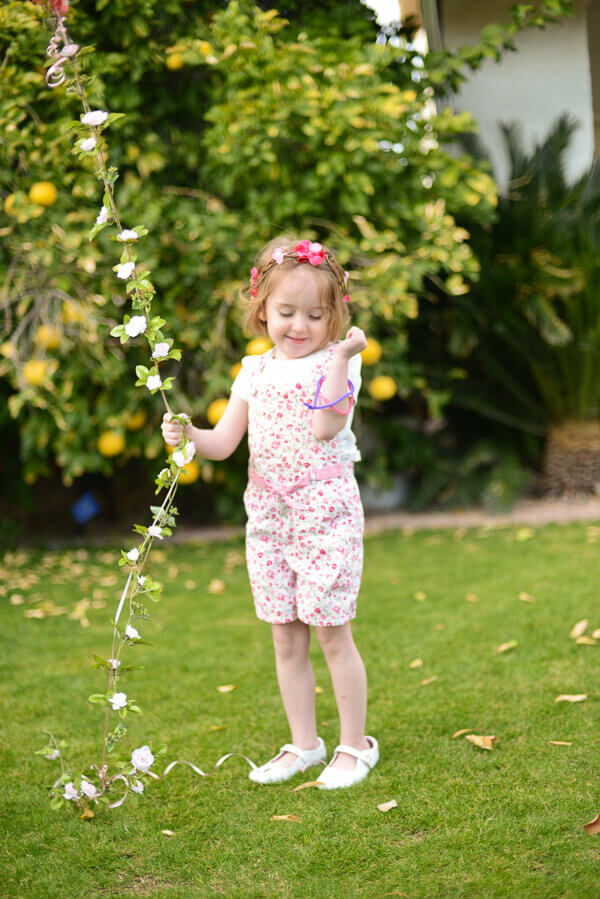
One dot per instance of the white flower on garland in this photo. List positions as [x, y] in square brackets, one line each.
[102, 216]
[155, 531]
[114, 663]
[128, 235]
[161, 350]
[124, 270]
[141, 579]
[88, 144]
[137, 324]
[142, 758]
[182, 458]
[118, 701]
[132, 634]
[53, 755]
[153, 382]
[138, 786]
[133, 555]
[164, 473]
[95, 117]
[88, 789]
[278, 255]
[70, 791]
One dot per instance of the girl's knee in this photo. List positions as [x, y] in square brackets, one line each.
[290, 639]
[336, 639]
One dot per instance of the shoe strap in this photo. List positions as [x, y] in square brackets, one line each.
[357, 753]
[290, 747]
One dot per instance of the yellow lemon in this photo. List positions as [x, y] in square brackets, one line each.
[43, 193]
[136, 420]
[48, 337]
[111, 443]
[175, 61]
[7, 349]
[235, 369]
[9, 203]
[215, 410]
[71, 313]
[382, 388]
[170, 449]
[34, 371]
[258, 345]
[190, 472]
[372, 352]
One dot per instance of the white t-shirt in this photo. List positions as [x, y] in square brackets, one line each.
[280, 371]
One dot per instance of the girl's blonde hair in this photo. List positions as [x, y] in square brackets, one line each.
[268, 273]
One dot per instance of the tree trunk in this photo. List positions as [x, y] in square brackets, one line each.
[572, 458]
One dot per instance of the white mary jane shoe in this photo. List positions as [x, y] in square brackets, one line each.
[334, 778]
[272, 773]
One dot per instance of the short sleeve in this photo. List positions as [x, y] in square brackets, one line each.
[354, 375]
[242, 383]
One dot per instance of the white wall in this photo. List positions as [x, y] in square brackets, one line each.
[549, 74]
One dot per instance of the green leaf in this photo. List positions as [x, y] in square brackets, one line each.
[99, 698]
[115, 736]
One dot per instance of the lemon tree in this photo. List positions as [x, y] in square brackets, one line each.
[238, 123]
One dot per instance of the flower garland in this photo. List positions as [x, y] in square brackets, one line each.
[130, 773]
[305, 251]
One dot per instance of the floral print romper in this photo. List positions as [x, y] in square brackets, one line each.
[304, 549]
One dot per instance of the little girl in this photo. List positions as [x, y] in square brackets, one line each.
[304, 548]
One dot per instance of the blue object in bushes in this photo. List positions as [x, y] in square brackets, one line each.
[85, 507]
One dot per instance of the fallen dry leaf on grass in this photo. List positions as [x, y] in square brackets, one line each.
[571, 697]
[578, 629]
[416, 663]
[593, 826]
[309, 783]
[87, 813]
[16, 599]
[226, 688]
[506, 647]
[218, 727]
[559, 743]
[584, 640]
[34, 613]
[168, 833]
[190, 585]
[471, 597]
[318, 689]
[285, 818]
[429, 680]
[522, 534]
[526, 597]
[459, 733]
[386, 806]
[596, 634]
[216, 586]
[420, 595]
[481, 741]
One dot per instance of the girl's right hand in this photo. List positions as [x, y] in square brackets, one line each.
[172, 431]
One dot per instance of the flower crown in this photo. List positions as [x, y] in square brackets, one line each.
[313, 253]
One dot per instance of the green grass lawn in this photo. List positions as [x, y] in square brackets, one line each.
[469, 822]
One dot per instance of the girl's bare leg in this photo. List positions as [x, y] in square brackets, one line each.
[349, 680]
[296, 684]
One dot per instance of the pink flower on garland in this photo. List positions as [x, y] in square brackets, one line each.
[310, 252]
[60, 7]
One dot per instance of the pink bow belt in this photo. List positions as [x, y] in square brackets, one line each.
[312, 474]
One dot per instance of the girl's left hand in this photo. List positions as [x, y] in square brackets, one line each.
[354, 342]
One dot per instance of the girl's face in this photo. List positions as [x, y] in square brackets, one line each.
[296, 321]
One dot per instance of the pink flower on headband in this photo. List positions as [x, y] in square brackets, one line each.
[253, 274]
[310, 252]
[278, 255]
[346, 299]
